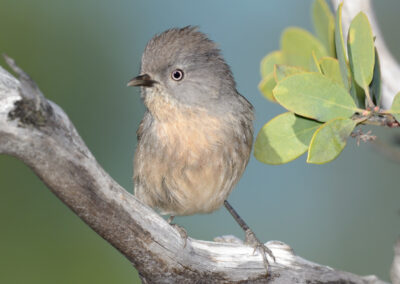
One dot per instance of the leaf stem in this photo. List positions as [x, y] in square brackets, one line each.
[368, 95]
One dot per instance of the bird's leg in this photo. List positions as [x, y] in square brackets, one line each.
[251, 238]
[170, 219]
[180, 229]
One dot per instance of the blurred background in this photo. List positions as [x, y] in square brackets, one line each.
[82, 53]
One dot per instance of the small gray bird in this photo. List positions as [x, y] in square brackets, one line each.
[195, 139]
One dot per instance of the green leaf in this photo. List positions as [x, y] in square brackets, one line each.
[330, 68]
[324, 25]
[395, 108]
[340, 49]
[282, 71]
[329, 140]
[315, 96]
[357, 93]
[315, 64]
[284, 138]
[376, 81]
[298, 44]
[268, 62]
[360, 45]
[266, 86]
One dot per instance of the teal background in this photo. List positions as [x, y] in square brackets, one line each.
[81, 53]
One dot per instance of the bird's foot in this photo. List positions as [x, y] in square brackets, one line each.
[253, 241]
[180, 230]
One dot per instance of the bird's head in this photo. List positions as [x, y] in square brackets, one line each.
[184, 66]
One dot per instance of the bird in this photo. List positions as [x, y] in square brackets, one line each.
[196, 135]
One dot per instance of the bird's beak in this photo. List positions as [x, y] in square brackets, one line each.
[141, 80]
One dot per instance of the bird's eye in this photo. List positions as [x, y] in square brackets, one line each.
[177, 75]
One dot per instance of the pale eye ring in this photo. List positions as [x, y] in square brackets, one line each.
[177, 75]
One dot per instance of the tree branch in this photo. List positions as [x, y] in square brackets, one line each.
[40, 134]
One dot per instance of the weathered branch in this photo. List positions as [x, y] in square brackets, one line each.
[40, 134]
[390, 69]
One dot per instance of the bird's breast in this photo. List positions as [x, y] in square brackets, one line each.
[187, 162]
[190, 129]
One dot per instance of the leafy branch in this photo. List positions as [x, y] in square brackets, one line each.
[328, 90]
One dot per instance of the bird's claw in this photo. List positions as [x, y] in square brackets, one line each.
[181, 232]
[253, 241]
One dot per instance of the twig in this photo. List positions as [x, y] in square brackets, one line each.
[386, 120]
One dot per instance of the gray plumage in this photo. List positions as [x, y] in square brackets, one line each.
[195, 138]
